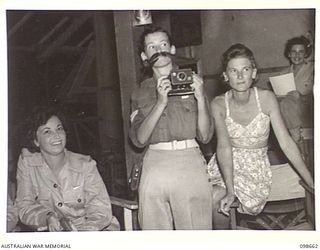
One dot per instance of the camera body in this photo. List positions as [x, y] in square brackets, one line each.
[181, 79]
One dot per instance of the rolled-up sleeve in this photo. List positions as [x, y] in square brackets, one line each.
[31, 212]
[97, 205]
[211, 128]
[136, 119]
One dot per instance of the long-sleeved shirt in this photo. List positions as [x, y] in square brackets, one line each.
[78, 193]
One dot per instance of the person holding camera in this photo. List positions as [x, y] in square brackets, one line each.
[174, 192]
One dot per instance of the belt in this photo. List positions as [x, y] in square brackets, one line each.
[175, 145]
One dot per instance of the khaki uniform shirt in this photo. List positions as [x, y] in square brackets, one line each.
[304, 78]
[177, 122]
[78, 194]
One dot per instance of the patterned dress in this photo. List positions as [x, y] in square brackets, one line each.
[251, 168]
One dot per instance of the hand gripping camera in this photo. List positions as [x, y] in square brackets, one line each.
[181, 79]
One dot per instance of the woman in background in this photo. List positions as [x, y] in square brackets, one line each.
[57, 189]
[242, 121]
[297, 106]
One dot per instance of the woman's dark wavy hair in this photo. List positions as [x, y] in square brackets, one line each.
[299, 40]
[237, 50]
[38, 117]
[150, 29]
[146, 70]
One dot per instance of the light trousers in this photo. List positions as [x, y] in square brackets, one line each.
[174, 191]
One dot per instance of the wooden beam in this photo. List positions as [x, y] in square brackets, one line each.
[19, 23]
[70, 50]
[87, 38]
[127, 64]
[77, 77]
[83, 70]
[108, 101]
[260, 71]
[77, 23]
[64, 90]
[51, 32]
[271, 69]
[61, 49]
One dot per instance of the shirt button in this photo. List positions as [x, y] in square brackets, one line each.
[55, 185]
[79, 200]
[60, 204]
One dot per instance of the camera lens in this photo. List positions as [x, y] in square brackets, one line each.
[182, 76]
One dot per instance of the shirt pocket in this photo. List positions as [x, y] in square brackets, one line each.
[74, 197]
[145, 106]
[184, 105]
[44, 198]
[189, 104]
[73, 194]
[183, 117]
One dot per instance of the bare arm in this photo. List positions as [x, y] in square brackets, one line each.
[286, 143]
[224, 152]
[205, 121]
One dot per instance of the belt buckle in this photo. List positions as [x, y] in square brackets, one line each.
[179, 145]
[174, 144]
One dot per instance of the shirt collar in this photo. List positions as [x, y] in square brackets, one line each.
[36, 159]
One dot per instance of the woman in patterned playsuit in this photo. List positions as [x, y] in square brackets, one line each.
[242, 120]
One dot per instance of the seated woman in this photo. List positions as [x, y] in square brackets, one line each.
[242, 118]
[57, 189]
[297, 106]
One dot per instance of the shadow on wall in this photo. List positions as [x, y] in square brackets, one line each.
[215, 86]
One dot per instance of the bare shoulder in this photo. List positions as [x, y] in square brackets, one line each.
[267, 99]
[218, 105]
[266, 94]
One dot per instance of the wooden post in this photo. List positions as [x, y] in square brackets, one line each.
[108, 96]
[128, 68]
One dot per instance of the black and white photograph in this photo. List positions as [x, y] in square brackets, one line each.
[162, 126]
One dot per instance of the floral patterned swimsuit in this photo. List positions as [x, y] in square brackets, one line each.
[251, 168]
